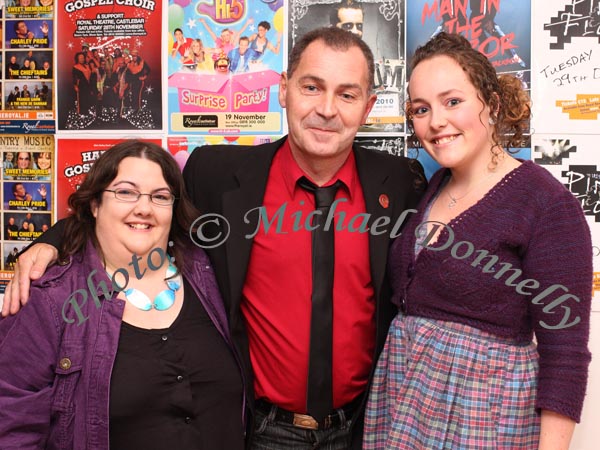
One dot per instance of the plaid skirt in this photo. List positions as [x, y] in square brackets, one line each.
[444, 385]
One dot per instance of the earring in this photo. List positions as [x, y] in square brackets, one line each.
[491, 121]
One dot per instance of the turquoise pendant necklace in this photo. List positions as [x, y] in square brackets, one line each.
[163, 300]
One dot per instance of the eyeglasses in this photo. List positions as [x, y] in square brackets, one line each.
[347, 26]
[131, 196]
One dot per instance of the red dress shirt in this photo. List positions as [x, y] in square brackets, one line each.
[278, 286]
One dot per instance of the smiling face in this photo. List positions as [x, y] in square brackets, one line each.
[19, 190]
[243, 46]
[179, 36]
[22, 28]
[44, 161]
[125, 228]
[449, 118]
[196, 48]
[222, 65]
[226, 36]
[327, 99]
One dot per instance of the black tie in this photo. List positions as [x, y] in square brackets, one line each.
[319, 395]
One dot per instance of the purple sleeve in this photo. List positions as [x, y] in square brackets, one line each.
[29, 343]
[559, 256]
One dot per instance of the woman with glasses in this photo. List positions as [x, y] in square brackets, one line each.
[123, 344]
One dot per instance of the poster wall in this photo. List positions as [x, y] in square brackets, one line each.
[75, 159]
[223, 67]
[27, 190]
[500, 29]
[567, 67]
[573, 160]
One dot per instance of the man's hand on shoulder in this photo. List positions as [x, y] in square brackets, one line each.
[31, 265]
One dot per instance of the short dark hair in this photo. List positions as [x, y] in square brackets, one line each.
[266, 25]
[334, 38]
[15, 187]
[80, 225]
[334, 14]
[16, 25]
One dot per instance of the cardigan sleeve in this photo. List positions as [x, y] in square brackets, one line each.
[29, 343]
[559, 257]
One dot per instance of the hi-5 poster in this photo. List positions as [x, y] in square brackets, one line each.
[500, 29]
[109, 69]
[225, 59]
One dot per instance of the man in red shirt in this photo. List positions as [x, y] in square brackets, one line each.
[264, 271]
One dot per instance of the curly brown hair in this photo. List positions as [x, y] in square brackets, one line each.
[509, 104]
[80, 226]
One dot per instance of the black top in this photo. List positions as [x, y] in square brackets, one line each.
[176, 388]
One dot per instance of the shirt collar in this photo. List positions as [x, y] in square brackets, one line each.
[292, 172]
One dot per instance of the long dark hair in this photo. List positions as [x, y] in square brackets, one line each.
[80, 225]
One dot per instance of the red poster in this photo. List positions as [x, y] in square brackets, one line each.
[75, 159]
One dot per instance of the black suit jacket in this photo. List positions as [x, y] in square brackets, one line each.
[231, 180]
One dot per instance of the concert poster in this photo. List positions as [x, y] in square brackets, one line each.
[75, 159]
[380, 23]
[224, 65]
[567, 67]
[573, 160]
[109, 65]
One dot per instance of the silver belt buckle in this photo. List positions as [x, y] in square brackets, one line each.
[305, 421]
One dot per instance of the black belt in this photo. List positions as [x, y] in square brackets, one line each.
[307, 422]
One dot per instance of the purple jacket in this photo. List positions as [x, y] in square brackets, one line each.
[55, 376]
